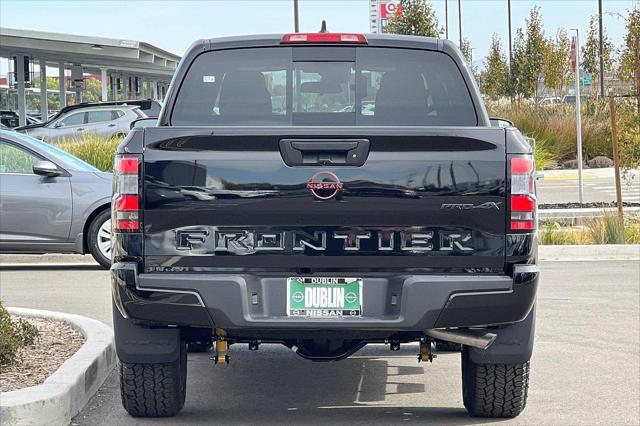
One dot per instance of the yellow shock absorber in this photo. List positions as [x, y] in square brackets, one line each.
[427, 349]
[222, 345]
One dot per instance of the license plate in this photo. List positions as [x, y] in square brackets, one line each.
[322, 297]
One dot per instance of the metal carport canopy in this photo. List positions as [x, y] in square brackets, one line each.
[132, 56]
[91, 53]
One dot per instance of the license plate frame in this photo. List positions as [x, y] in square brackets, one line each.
[331, 297]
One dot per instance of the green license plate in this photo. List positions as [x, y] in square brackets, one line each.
[323, 297]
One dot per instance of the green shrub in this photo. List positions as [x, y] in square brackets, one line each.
[632, 233]
[543, 157]
[14, 335]
[556, 126]
[608, 229]
[95, 150]
[629, 133]
[553, 234]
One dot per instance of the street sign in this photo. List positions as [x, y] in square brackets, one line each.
[587, 80]
[388, 9]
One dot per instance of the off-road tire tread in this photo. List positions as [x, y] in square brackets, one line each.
[494, 390]
[152, 390]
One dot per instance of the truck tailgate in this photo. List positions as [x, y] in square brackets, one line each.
[423, 198]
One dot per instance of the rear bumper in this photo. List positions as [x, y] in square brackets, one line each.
[393, 303]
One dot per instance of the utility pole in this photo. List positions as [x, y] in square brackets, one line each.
[601, 48]
[296, 24]
[616, 155]
[460, 21]
[446, 19]
[576, 45]
[510, 49]
[510, 38]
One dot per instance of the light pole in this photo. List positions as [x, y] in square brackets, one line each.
[510, 48]
[510, 39]
[296, 25]
[576, 45]
[601, 49]
[446, 19]
[460, 21]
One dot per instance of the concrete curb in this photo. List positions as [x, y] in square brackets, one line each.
[65, 392]
[589, 252]
[71, 259]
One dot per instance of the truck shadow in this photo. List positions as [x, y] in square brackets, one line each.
[277, 386]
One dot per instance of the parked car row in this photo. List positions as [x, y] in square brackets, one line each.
[10, 119]
[106, 119]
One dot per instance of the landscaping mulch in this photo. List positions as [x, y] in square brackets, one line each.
[56, 342]
[596, 205]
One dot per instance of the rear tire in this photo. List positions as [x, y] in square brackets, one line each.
[99, 238]
[494, 390]
[154, 390]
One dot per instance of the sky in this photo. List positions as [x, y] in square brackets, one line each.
[174, 25]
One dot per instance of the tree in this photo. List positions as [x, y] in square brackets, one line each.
[495, 78]
[534, 48]
[467, 54]
[591, 51]
[518, 64]
[466, 50]
[557, 56]
[528, 56]
[418, 18]
[630, 56]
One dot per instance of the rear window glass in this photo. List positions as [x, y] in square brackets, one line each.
[382, 87]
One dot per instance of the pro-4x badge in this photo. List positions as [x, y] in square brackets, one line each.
[324, 185]
[489, 205]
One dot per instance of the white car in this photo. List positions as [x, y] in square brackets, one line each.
[550, 101]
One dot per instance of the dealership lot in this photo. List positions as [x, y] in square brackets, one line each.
[585, 368]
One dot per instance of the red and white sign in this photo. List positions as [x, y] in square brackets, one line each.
[573, 53]
[390, 9]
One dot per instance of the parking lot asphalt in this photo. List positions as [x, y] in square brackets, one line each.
[585, 367]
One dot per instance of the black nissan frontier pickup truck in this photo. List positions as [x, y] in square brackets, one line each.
[324, 191]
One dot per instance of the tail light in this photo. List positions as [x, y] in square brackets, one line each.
[523, 195]
[324, 38]
[126, 199]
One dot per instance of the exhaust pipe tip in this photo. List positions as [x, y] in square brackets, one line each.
[476, 338]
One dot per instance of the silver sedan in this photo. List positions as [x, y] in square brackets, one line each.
[51, 201]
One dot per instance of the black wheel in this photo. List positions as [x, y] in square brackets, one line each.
[154, 390]
[99, 238]
[494, 390]
[198, 346]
